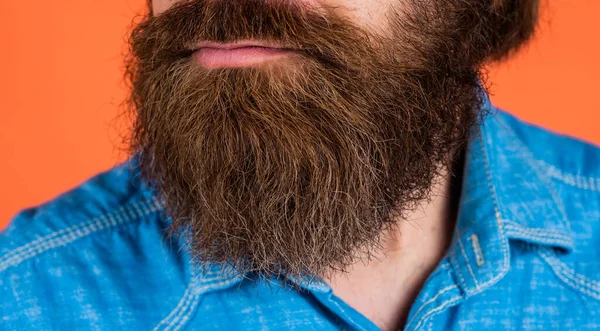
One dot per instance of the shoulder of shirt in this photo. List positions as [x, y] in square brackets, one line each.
[104, 202]
[567, 159]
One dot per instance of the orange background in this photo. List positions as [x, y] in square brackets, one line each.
[61, 88]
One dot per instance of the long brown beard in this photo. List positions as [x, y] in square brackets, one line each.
[299, 166]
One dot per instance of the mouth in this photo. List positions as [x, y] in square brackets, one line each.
[239, 54]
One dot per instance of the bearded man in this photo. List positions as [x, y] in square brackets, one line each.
[318, 165]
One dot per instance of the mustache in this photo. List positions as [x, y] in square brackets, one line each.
[177, 32]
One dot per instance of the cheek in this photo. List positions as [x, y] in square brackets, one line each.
[365, 13]
[371, 15]
[159, 6]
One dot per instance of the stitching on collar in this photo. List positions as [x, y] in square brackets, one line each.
[539, 235]
[582, 182]
[546, 186]
[504, 239]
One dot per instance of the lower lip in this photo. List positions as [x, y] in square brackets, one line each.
[213, 58]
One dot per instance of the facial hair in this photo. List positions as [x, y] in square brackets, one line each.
[299, 165]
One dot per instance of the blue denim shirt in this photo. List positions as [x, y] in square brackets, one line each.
[525, 255]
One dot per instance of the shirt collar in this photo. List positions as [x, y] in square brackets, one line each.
[505, 197]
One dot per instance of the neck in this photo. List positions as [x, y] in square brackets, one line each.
[384, 286]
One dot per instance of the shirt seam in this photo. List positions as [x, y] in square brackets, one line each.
[582, 182]
[358, 326]
[468, 263]
[498, 216]
[189, 310]
[538, 232]
[456, 265]
[124, 215]
[569, 276]
[187, 305]
[433, 299]
[437, 310]
[167, 322]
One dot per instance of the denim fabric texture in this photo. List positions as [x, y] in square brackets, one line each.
[525, 255]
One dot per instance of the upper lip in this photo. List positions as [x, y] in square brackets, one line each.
[240, 44]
